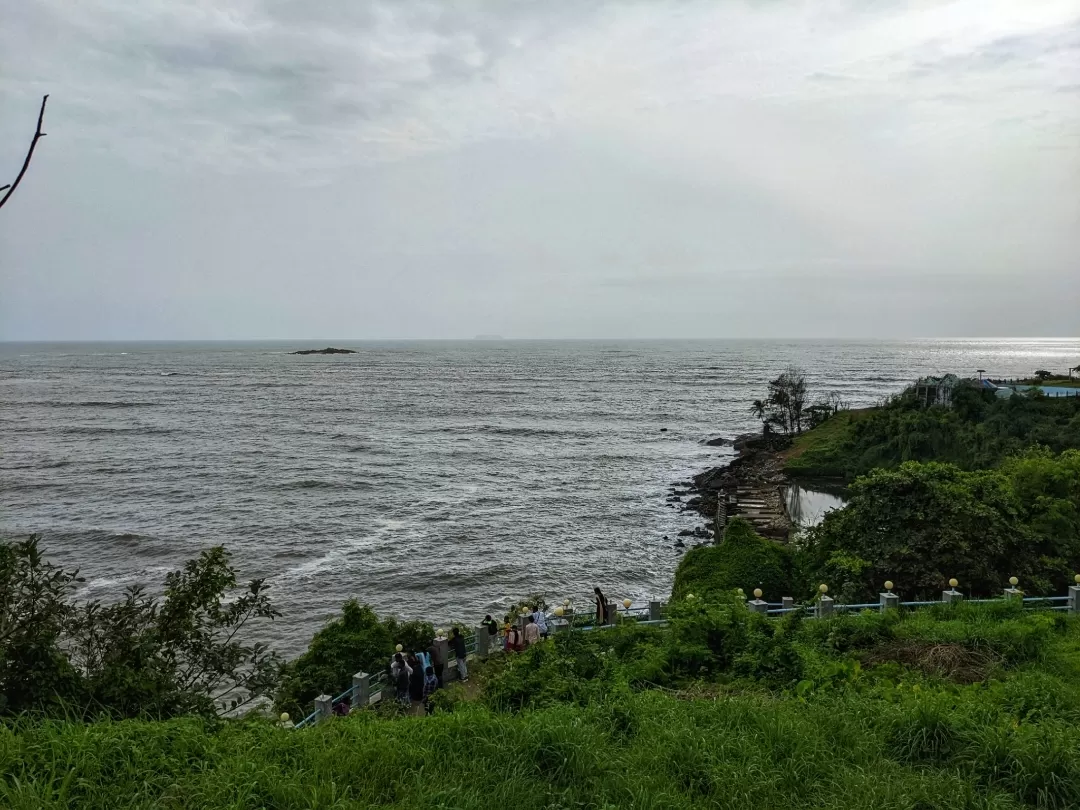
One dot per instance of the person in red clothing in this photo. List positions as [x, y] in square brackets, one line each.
[513, 639]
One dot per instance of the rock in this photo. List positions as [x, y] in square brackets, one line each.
[680, 544]
[663, 430]
[686, 533]
[327, 350]
[720, 441]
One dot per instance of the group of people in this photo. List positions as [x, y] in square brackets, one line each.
[417, 675]
[514, 638]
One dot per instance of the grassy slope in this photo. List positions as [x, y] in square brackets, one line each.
[863, 742]
[818, 452]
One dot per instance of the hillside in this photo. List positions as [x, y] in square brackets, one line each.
[965, 707]
[978, 432]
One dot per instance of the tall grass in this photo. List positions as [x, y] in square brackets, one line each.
[881, 736]
[837, 750]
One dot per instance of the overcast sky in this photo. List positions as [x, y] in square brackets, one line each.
[349, 169]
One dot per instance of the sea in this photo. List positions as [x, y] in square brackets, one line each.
[430, 479]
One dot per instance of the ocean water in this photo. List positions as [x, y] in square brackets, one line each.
[440, 480]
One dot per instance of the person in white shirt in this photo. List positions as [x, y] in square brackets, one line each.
[541, 621]
[532, 633]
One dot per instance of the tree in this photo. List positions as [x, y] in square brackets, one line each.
[357, 641]
[1074, 369]
[182, 654]
[743, 560]
[923, 523]
[9, 188]
[35, 609]
[785, 405]
[1043, 374]
[758, 410]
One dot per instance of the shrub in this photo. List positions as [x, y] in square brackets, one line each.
[742, 560]
[357, 642]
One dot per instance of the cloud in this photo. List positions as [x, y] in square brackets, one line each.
[536, 167]
[293, 85]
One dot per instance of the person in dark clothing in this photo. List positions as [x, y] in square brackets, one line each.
[491, 625]
[438, 662]
[401, 674]
[342, 707]
[431, 683]
[601, 607]
[416, 679]
[460, 652]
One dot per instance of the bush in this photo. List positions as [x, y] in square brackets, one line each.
[922, 524]
[143, 655]
[742, 560]
[357, 642]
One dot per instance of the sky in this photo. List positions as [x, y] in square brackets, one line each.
[278, 169]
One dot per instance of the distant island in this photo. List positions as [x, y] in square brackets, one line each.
[327, 350]
[488, 337]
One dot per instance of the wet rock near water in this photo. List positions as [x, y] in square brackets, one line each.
[327, 350]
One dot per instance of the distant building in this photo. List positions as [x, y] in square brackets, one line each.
[937, 390]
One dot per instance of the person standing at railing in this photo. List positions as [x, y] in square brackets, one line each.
[400, 673]
[431, 683]
[541, 621]
[601, 607]
[460, 652]
[513, 639]
[507, 624]
[532, 633]
[438, 662]
[416, 679]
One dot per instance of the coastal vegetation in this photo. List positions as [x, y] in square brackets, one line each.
[923, 523]
[743, 560]
[358, 641]
[786, 409]
[182, 653]
[980, 430]
[961, 706]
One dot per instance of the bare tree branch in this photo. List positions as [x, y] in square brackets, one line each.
[38, 135]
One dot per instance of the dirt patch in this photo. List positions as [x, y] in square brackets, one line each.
[953, 661]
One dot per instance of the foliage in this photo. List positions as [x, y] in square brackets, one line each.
[358, 641]
[849, 734]
[785, 405]
[979, 431]
[922, 524]
[35, 609]
[742, 560]
[140, 656]
[712, 640]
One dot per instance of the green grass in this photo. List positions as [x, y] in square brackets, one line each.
[847, 737]
[820, 452]
[913, 750]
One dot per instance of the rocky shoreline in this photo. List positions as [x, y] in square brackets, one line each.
[748, 486]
